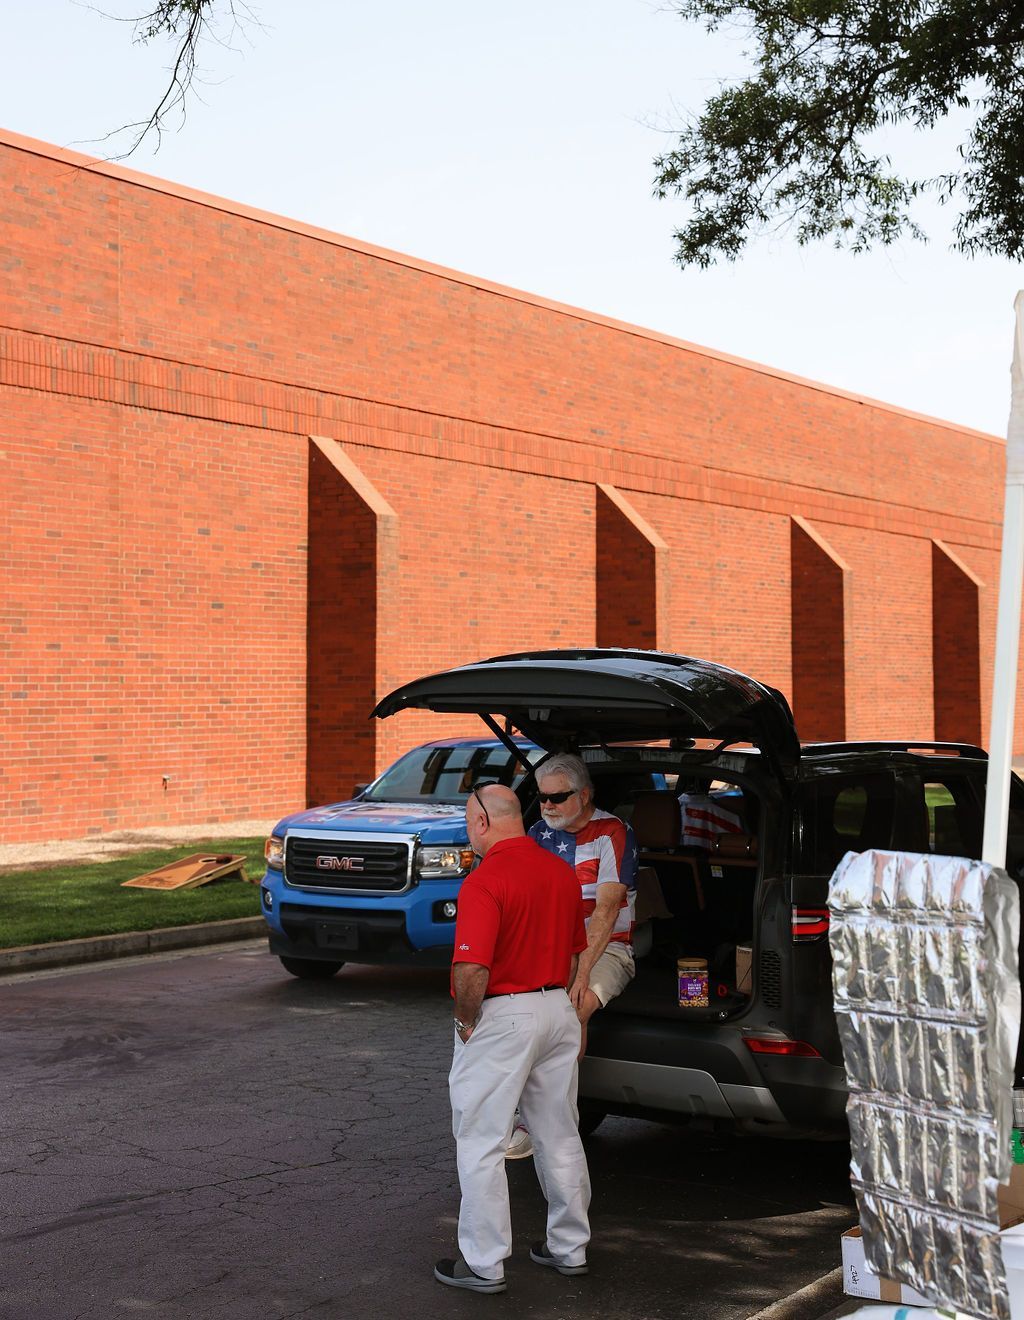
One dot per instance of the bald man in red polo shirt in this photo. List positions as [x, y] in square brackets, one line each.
[518, 936]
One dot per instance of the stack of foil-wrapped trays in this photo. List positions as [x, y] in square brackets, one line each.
[927, 999]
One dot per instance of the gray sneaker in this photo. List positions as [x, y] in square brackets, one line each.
[457, 1274]
[540, 1255]
[520, 1146]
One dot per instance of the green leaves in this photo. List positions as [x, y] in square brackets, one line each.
[790, 145]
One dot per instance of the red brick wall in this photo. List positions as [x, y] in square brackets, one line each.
[819, 626]
[164, 359]
[630, 572]
[489, 561]
[955, 647]
[149, 627]
[889, 632]
[341, 635]
[729, 570]
[984, 564]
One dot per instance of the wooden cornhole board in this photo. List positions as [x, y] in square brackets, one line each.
[190, 872]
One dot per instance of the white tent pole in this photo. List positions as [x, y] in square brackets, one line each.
[1011, 583]
[1004, 681]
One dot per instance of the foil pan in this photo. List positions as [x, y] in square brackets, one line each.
[927, 999]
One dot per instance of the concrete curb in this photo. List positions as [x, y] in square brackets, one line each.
[102, 948]
[810, 1302]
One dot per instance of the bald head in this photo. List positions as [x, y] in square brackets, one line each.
[501, 803]
[492, 813]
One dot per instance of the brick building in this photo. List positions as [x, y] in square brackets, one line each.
[258, 474]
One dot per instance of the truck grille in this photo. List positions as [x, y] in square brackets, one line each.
[348, 865]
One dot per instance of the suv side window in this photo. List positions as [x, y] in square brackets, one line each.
[841, 814]
[942, 811]
[954, 817]
[1015, 833]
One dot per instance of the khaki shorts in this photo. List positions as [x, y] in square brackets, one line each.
[612, 972]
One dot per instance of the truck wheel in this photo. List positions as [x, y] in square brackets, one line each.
[591, 1117]
[311, 969]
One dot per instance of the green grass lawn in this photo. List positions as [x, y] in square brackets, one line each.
[78, 899]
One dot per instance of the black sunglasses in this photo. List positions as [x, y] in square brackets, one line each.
[475, 792]
[557, 797]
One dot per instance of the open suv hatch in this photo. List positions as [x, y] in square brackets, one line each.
[735, 855]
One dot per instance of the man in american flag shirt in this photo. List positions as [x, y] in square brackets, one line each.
[603, 851]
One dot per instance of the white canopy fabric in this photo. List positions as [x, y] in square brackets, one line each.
[1011, 582]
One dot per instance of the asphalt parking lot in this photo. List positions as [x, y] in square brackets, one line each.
[199, 1135]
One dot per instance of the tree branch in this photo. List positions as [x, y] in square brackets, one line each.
[188, 23]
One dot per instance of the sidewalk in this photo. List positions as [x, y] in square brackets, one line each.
[127, 944]
[122, 843]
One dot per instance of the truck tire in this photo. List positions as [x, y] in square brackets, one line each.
[591, 1117]
[311, 969]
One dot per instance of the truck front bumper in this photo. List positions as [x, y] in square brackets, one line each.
[331, 936]
[402, 929]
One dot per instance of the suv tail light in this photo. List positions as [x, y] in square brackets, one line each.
[798, 1049]
[809, 924]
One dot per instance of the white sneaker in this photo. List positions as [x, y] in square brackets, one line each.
[520, 1146]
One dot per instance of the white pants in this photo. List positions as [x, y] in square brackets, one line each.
[522, 1054]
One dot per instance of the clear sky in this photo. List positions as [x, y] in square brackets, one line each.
[515, 142]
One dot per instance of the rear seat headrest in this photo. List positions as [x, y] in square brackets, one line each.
[735, 845]
[657, 820]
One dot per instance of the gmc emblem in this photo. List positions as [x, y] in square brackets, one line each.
[339, 863]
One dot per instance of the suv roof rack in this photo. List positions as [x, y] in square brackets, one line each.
[915, 745]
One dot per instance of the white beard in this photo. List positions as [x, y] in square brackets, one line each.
[558, 821]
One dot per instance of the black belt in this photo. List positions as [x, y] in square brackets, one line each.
[501, 994]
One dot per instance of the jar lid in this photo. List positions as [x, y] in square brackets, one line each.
[692, 964]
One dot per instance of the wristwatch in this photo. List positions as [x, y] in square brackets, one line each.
[461, 1026]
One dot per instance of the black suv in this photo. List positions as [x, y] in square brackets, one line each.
[748, 893]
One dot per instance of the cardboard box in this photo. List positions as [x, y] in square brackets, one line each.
[1011, 1196]
[859, 1280]
[744, 956]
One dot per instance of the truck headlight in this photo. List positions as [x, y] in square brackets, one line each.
[273, 851]
[447, 860]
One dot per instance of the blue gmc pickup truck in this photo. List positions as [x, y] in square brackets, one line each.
[375, 879]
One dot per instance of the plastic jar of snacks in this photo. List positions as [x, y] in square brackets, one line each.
[693, 982]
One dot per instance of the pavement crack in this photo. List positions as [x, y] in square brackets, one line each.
[96, 1211]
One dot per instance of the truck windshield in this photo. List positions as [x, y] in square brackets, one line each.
[446, 774]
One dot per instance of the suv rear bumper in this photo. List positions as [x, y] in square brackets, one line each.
[706, 1071]
[688, 1092]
